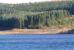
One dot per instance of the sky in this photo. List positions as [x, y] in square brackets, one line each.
[21, 1]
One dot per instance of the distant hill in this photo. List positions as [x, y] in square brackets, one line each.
[38, 7]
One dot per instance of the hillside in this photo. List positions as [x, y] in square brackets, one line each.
[42, 15]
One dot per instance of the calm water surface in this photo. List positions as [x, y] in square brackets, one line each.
[37, 42]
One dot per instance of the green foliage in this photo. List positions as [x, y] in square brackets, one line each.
[36, 15]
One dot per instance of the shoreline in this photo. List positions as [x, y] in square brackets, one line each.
[36, 31]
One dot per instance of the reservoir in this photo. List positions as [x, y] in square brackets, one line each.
[37, 42]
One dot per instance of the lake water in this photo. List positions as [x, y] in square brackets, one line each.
[37, 42]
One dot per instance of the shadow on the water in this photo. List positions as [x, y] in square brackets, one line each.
[68, 32]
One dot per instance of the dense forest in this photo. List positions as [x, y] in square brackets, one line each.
[36, 15]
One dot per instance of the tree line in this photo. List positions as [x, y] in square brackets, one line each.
[36, 15]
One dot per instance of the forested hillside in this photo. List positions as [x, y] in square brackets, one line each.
[37, 15]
